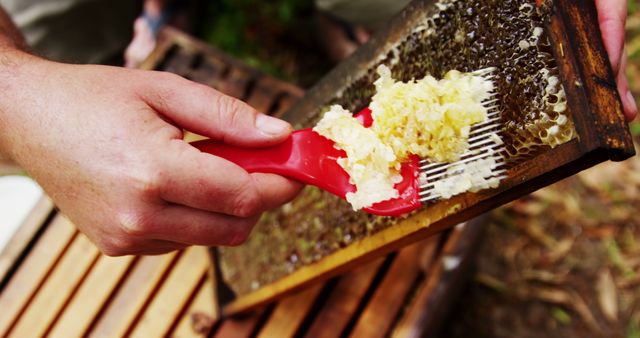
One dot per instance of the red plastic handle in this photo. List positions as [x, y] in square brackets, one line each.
[310, 158]
[409, 189]
[306, 156]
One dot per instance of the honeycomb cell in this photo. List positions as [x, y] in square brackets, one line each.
[470, 35]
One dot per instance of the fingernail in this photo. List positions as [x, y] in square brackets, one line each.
[271, 125]
[632, 102]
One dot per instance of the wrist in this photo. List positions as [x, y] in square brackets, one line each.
[19, 75]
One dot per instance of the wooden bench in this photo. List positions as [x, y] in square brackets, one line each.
[54, 282]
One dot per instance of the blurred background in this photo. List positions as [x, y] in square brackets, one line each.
[562, 262]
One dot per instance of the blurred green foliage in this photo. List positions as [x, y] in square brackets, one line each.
[233, 23]
[561, 315]
[633, 331]
[635, 129]
[276, 36]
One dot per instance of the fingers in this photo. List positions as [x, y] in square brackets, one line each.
[137, 246]
[275, 190]
[174, 227]
[157, 247]
[612, 15]
[196, 227]
[208, 112]
[216, 204]
[207, 182]
[199, 198]
[153, 247]
[141, 45]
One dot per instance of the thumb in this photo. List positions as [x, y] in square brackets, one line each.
[205, 111]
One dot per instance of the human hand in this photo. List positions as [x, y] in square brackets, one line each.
[145, 31]
[141, 45]
[105, 144]
[612, 15]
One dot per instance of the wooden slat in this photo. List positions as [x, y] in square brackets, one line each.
[278, 87]
[57, 289]
[131, 298]
[407, 326]
[201, 315]
[210, 72]
[261, 98]
[431, 251]
[343, 302]
[388, 298]
[434, 296]
[173, 295]
[285, 101]
[159, 53]
[240, 327]
[179, 63]
[272, 93]
[91, 296]
[32, 272]
[290, 313]
[236, 82]
[25, 233]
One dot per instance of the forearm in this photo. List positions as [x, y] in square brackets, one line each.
[13, 65]
[17, 89]
[10, 36]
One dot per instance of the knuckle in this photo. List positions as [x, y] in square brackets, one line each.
[152, 185]
[149, 180]
[117, 247]
[239, 238]
[241, 233]
[133, 224]
[231, 112]
[111, 251]
[162, 95]
[247, 202]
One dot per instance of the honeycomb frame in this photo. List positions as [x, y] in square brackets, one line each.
[595, 132]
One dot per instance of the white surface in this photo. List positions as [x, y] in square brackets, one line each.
[18, 195]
